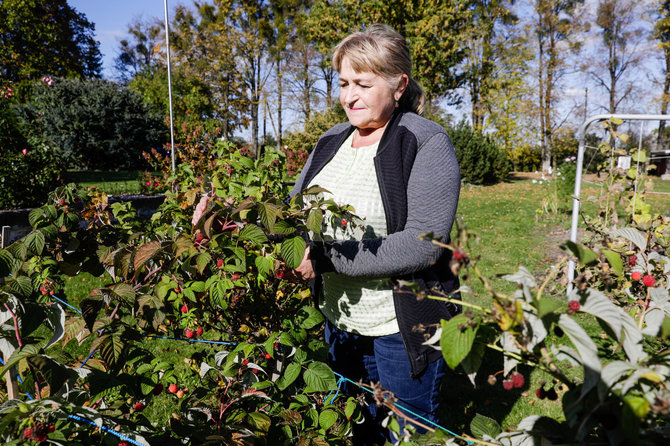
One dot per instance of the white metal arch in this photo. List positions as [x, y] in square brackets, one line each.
[580, 161]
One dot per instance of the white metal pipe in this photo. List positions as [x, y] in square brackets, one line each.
[578, 176]
[169, 70]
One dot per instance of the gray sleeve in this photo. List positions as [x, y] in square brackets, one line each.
[432, 197]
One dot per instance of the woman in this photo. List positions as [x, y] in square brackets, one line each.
[399, 171]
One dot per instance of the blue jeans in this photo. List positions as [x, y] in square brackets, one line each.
[383, 359]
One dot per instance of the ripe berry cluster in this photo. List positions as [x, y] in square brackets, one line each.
[173, 388]
[39, 433]
[514, 381]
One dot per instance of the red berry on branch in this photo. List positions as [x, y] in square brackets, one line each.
[540, 393]
[172, 388]
[51, 293]
[517, 380]
[632, 260]
[189, 333]
[245, 362]
[155, 184]
[123, 443]
[184, 308]
[180, 393]
[275, 345]
[219, 263]
[508, 384]
[574, 305]
[199, 238]
[139, 407]
[344, 222]
[43, 290]
[28, 432]
[62, 202]
[268, 356]
[148, 183]
[235, 277]
[51, 428]
[198, 331]
[254, 371]
[458, 254]
[280, 274]
[648, 280]
[636, 275]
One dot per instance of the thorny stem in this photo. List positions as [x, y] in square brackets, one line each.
[487, 285]
[222, 409]
[38, 391]
[147, 277]
[555, 371]
[459, 302]
[115, 310]
[16, 325]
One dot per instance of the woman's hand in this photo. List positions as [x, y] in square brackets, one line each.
[303, 272]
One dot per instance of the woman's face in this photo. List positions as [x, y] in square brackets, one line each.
[367, 98]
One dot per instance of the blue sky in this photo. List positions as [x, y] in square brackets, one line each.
[112, 18]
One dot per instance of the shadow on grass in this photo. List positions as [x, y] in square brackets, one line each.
[461, 401]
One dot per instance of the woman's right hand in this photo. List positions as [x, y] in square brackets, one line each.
[304, 272]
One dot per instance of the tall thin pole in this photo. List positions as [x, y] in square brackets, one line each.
[169, 70]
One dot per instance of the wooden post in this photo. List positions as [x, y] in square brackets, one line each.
[10, 375]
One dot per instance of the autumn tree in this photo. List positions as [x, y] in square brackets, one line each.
[39, 37]
[556, 28]
[619, 53]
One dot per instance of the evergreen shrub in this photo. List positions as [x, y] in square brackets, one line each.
[480, 159]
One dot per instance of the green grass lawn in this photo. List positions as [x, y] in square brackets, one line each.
[113, 183]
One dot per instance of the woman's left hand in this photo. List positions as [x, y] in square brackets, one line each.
[304, 272]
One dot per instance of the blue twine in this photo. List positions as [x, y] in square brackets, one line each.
[417, 416]
[65, 303]
[329, 400]
[89, 357]
[106, 429]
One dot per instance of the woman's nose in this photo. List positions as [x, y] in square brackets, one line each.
[350, 95]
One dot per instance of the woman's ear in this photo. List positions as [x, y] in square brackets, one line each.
[402, 86]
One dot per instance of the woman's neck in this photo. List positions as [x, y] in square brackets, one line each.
[367, 137]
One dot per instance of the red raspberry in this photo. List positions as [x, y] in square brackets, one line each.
[458, 254]
[155, 184]
[28, 432]
[268, 356]
[219, 263]
[245, 362]
[636, 275]
[123, 443]
[230, 170]
[632, 260]
[172, 388]
[574, 305]
[254, 371]
[51, 293]
[517, 380]
[648, 280]
[43, 290]
[62, 202]
[280, 274]
[139, 407]
[508, 384]
[199, 237]
[198, 331]
[189, 333]
[51, 428]
[148, 183]
[540, 393]
[344, 222]
[235, 277]
[184, 308]
[275, 345]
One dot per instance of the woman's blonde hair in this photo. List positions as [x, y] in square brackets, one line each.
[381, 50]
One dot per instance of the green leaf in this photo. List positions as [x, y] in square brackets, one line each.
[124, 291]
[319, 378]
[5, 263]
[283, 227]
[253, 233]
[481, 425]
[264, 265]
[293, 251]
[56, 317]
[290, 374]
[327, 418]
[314, 221]
[587, 349]
[35, 241]
[632, 235]
[640, 156]
[583, 254]
[308, 317]
[614, 259]
[547, 306]
[456, 341]
[21, 285]
[19, 354]
[268, 213]
[202, 260]
[260, 421]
